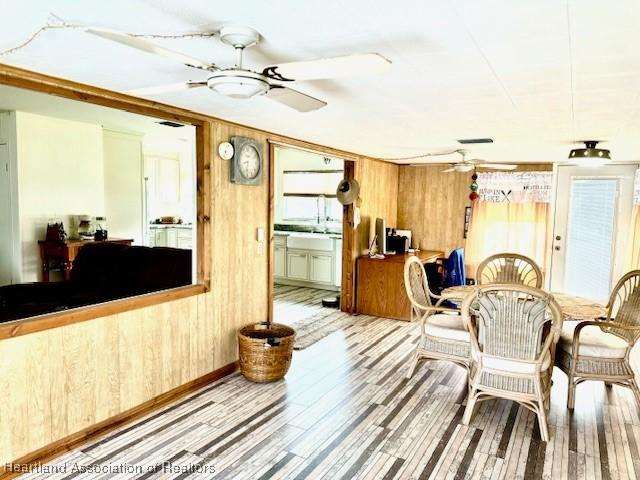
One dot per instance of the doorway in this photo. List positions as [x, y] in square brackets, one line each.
[307, 223]
[591, 230]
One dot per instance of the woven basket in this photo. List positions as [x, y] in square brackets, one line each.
[265, 351]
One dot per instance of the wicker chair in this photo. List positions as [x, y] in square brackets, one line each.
[519, 327]
[509, 268]
[442, 332]
[603, 346]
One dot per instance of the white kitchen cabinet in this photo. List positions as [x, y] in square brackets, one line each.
[306, 259]
[184, 239]
[321, 268]
[280, 261]
[174, 237]
[297, 265]
[337, 253]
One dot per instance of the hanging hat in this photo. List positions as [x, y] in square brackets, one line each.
[348, 191]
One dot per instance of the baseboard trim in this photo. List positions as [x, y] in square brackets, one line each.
[64, 445]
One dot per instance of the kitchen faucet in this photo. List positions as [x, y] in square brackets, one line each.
[324, 213]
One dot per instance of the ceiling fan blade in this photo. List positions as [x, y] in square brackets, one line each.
[452, 169]
[149, 47]
[292, 98]
[170, 87]
[497, 166]
[336, 67]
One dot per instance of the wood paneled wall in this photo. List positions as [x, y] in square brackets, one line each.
[379, 194]
[431, 204]
[57, 382]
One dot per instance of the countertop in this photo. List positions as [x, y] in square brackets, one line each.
[171, 225]
[337, 236]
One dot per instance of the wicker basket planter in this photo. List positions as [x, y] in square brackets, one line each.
[265, 351]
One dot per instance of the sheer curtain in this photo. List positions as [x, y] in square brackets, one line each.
[634, 240]
[512, 214]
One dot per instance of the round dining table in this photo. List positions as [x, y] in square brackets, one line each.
[572, 306]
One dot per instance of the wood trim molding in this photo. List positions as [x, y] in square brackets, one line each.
[203, 204]
[347, 298]
[60, 447]
[271, 230]
[82, 314]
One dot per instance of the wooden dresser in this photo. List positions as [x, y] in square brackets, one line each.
[65, 253]
[380, 285]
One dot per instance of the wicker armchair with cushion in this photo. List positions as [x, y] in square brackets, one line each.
[602, 346]
[509, 268]
[443, 335]
[519, 327]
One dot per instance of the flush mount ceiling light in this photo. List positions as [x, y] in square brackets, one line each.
[590, 155]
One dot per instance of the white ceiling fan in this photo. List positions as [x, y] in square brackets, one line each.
[465, 165]
[240, 82]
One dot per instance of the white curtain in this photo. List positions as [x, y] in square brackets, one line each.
[634, 231]
[512, 214]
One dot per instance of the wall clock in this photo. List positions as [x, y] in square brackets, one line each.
[225, 150]
[246, 167]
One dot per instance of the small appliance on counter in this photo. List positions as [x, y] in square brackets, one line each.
[86, 229]
[55, 233]
[101, 229]
[397, 243]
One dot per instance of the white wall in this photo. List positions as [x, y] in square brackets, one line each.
[60, 173]
[123, 185]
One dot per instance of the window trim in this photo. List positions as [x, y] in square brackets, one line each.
[15, 77]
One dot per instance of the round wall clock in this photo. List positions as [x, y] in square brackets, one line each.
[249, 162]
[225, 150]
[246, 168]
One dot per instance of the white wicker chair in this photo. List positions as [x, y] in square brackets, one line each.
[509, 268]
[603, 346]
[442, 332]
[519, 327]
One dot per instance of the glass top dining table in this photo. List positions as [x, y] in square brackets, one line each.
[572, 307]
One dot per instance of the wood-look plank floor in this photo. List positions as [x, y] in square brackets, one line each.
[292, 304]
[346, 411]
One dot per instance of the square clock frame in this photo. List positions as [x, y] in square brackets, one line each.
[240, 145]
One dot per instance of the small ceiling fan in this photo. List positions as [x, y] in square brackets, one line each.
[465, 165]
[240, 82]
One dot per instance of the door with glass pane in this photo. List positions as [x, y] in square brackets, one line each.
[593, 208]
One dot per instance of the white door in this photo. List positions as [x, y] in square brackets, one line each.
[593, 208]
[6, 227]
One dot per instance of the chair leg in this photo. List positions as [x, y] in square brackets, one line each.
[471, 403]
[636, 392]
[542, 422]
[571, 397]
[414, 363]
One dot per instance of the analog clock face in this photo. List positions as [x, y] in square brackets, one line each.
[249, 162]
[225, 150]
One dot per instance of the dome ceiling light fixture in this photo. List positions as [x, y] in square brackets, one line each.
[590, 155]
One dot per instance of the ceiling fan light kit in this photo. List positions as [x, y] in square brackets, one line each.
[237, 83]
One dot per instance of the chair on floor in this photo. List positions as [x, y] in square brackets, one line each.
[509, 268]
[519, 327]
[442, 332]
[599, 349]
